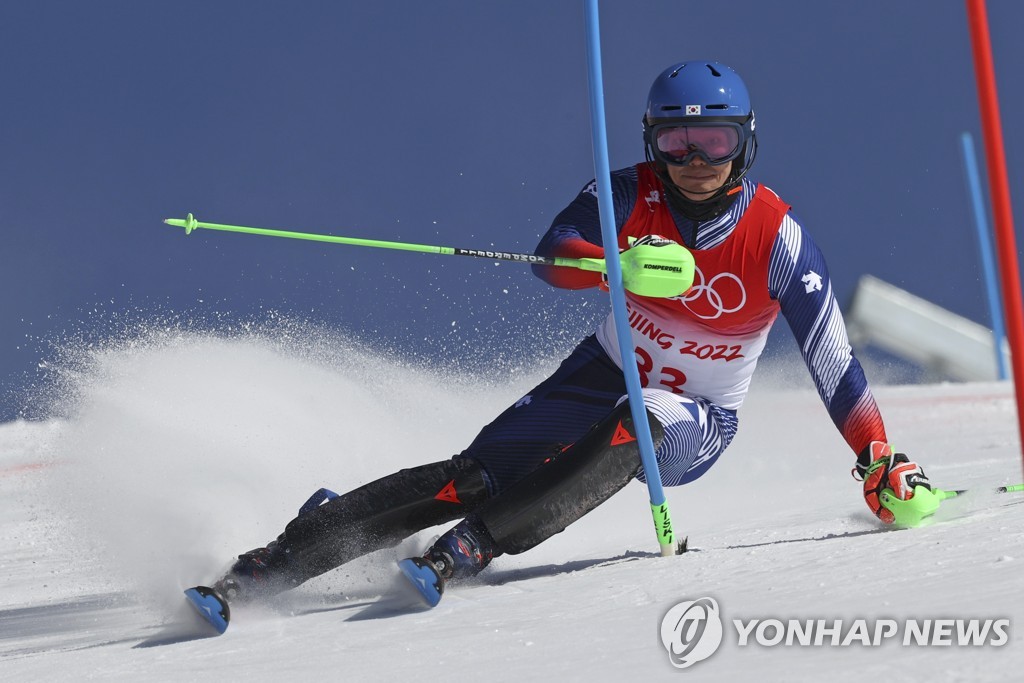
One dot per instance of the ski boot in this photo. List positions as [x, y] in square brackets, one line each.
[463, 551]
[258, 573]
[460, 553]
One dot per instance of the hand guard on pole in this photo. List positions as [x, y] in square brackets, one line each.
[890, 478]
[656, 267]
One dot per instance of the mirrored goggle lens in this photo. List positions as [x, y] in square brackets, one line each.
[716, 144]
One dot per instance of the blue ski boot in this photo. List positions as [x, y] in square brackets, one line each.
[459, 554]
[462, 551]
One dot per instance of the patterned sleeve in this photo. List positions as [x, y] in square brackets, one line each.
[798, 279]
[576, 231]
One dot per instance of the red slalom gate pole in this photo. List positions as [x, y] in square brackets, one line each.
[999, 188]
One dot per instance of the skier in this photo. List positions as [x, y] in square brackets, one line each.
[569, 445]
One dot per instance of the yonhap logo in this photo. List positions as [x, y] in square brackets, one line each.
[691, 631]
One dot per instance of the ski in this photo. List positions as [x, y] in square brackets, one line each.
[423, 576]
[210, 606]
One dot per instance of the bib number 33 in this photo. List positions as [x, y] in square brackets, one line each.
[671, 378]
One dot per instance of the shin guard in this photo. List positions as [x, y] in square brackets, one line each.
[569, 486]
[381, 514]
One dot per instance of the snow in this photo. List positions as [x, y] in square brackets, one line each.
[174, 453]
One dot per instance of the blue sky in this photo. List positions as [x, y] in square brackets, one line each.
[453, 123]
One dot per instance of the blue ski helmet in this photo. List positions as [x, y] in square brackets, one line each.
[702, 93]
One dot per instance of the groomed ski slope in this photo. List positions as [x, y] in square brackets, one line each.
[177, 452]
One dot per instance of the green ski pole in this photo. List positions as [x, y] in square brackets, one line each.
[1002, 489]
[662, 272]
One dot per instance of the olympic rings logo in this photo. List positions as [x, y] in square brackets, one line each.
[710, 300]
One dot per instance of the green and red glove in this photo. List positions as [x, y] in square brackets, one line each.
[881, 469]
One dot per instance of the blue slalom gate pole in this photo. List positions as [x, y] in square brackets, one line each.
[995, 305]
[623, 332]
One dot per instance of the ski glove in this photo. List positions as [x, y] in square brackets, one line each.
[881, 469]
[654, 266]
[653, 240]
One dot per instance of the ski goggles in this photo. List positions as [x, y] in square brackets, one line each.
[679, 144]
